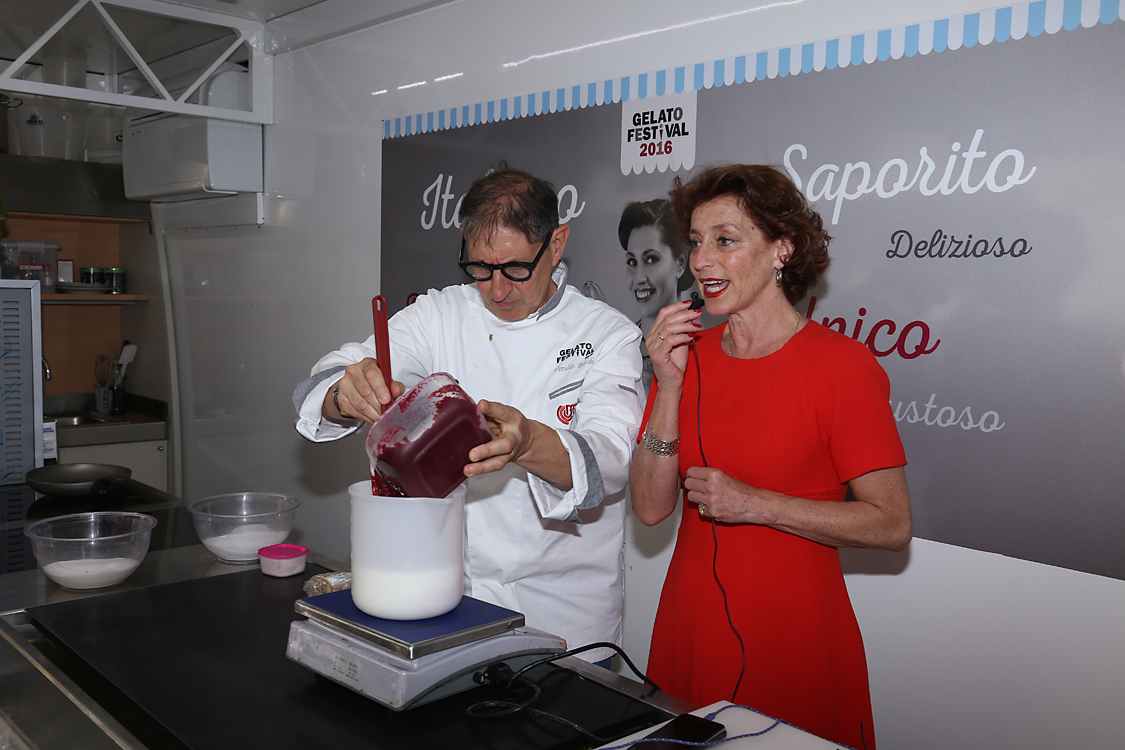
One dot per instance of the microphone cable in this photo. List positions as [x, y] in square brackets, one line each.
[714, 531]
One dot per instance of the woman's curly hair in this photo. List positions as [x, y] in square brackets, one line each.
[774, 204]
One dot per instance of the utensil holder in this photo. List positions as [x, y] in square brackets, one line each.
[103, 398]
[117, 400]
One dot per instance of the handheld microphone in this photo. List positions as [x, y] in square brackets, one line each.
[696, 301]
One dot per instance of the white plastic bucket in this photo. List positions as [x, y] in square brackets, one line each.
[407, 553]
[42, 129]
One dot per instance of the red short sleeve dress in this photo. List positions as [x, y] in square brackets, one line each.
[802, 421]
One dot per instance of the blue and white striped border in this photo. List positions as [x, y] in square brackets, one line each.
[998, 25]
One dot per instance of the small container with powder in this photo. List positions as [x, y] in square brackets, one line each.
[283, 560]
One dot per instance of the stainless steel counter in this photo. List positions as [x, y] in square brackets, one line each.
[144, 419]
[30, 588]
[135, 428]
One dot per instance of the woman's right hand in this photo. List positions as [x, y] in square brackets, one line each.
[674, 328]
[363, 393]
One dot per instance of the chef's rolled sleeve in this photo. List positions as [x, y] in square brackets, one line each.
[602, 435]
[325, 374]
[409, 364]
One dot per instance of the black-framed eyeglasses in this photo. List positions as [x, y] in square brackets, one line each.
[516, 270]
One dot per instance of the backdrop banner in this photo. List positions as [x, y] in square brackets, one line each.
[973, 198]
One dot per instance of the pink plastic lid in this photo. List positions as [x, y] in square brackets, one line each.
[283, 551]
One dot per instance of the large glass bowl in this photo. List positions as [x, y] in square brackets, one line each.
[234, 527]
[90, 550]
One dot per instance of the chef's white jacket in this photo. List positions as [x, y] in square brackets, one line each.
[575, 365]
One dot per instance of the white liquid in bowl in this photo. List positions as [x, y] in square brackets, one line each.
[90, 574]
[244, 542]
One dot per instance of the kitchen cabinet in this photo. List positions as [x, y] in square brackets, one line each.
[77, 328]
[148, 459]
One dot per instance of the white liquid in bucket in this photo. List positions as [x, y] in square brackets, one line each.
[407, 553]
[90, 574]
[406, 594]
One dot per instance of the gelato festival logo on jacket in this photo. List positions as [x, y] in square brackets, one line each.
[584, 350]
[566, 413]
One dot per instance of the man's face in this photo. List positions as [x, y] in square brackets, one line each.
[515, 300]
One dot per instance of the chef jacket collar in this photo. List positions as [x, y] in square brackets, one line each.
[559, 277]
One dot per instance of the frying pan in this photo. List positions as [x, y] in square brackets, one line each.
[77, 480]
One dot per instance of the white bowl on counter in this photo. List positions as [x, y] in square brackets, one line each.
[235, 526]
[91, 550]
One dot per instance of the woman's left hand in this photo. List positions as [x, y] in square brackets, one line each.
[878, 519]
[722, 497]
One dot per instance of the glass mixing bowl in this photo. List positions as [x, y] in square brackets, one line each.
[90, 550]
[235, 526]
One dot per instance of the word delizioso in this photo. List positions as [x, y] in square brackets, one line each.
[942, 245]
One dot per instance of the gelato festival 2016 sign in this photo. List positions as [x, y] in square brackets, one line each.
[976, 252]
[658, 134]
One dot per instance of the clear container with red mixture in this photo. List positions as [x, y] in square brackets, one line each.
[421, 443]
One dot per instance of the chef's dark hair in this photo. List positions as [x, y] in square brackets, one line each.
[775, 205]
[657, 213]
[510, 198]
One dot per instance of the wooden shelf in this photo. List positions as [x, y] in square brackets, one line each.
[98, 299]
[31, 215]
[79, 327]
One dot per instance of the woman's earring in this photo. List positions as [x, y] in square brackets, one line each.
[777, 276]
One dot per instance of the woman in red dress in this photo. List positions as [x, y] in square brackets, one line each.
[766, 422]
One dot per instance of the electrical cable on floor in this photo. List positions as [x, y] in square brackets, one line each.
[714, 531]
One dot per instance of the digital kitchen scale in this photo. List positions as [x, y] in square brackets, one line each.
[406, 663]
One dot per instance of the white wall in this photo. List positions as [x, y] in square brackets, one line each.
[966, 649]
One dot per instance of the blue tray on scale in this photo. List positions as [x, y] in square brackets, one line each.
[472, 620]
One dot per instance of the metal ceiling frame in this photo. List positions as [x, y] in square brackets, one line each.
[252, 34]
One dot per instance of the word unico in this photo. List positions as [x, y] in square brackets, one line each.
[1005, 171]
[901, 344]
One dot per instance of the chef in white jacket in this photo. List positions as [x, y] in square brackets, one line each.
[558, 379]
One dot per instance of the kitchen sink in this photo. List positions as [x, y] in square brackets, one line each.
[82, 419]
